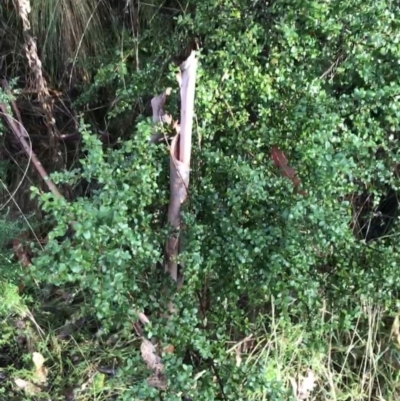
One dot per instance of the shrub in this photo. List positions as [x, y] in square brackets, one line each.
[319, 81]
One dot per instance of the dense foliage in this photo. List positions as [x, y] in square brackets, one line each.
[311, 279]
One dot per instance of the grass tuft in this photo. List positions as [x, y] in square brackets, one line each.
[356, 363]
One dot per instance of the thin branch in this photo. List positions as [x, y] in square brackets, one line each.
[28, 150]
[330, 70]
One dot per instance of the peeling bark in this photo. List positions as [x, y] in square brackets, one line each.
[179, 181]
[180, 154]
[159, 115]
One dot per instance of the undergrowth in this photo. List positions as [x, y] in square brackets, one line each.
[83, 362]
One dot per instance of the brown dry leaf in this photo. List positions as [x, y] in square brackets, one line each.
[41, 371]
[28, 387]
[169, 349]
[152, 360]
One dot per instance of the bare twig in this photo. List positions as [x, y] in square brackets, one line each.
[330, 70]
[13, 104]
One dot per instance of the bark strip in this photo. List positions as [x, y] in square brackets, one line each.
[180, 154]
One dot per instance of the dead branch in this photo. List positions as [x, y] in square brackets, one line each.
[21, 134]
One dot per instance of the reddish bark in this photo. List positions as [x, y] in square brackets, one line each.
[280, 161]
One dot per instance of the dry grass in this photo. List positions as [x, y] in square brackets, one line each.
[355, 364]
[68, 30]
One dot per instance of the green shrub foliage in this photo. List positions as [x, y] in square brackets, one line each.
[318, 79]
